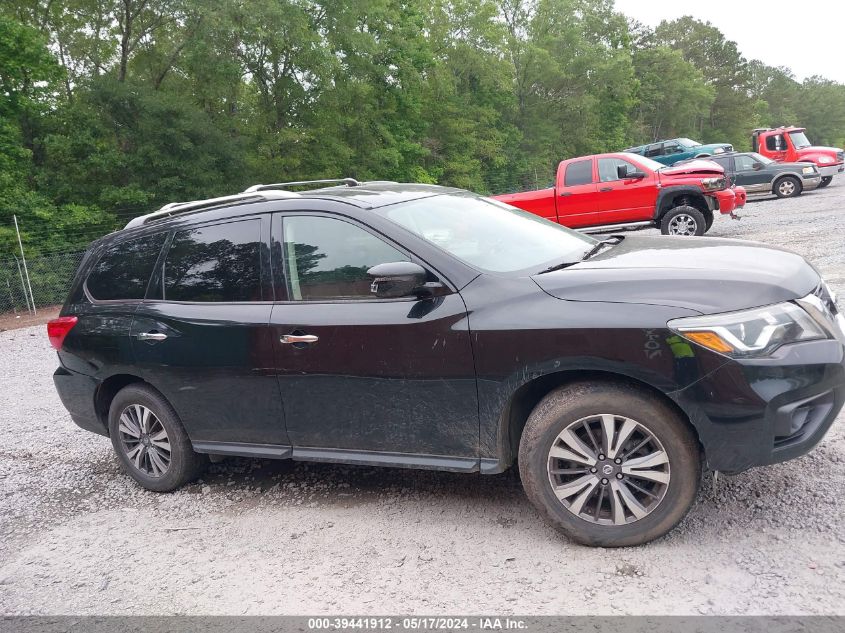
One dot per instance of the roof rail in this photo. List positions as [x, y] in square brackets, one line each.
[349, 182]
[175, 208]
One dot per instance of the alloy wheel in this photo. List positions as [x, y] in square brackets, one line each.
[786, 188]
[144, 440]
[682, 224]
[608, 469]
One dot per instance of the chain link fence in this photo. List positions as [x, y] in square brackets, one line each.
[49, 277]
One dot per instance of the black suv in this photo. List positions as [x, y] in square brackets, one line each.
[761, 175]
[426, 327]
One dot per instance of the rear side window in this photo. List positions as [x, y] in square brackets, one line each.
[220, 262]
[123, 270]
[328, 259]
[579, 173]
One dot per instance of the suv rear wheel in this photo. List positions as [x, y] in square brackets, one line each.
[787, 187]
[609, 465]
[683, 220]
[150, 442]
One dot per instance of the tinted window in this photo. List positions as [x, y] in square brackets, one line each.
[654, 150]
[328, 259]
[123, 270]
[775, 143]
[744, 163]
[220, 262]
[672, 147]
[723, 162]
[579, 173]
[607, 168]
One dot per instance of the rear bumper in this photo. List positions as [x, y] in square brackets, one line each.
[77, 392]
[831, 170]
[763, 411]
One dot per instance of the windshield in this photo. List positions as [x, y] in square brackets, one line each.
[799, 139]
[760, 158]
[688, 142]
[489, 235]
[644, 161]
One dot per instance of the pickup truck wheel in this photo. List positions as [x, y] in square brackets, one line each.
[150, 442]
[609, 465]
[826, 180]
[683, 220]
[787, 187]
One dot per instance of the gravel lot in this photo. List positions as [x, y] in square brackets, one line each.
[263, 537]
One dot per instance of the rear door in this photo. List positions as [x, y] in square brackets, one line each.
[362, 378]
[202, 336]
[624, 199]
[577, 203]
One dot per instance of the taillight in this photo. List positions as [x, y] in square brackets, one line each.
[57, 330]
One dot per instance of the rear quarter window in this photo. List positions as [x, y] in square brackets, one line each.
[123, 270]
[579, 173]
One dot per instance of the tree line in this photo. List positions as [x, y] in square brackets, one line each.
[110, 108]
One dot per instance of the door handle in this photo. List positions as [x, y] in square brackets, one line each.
[606, 189]
[565, 193]
[288, 339]
[152, 336]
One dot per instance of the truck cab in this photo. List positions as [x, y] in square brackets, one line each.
[788, 144]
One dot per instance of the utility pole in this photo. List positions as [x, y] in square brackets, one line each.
[25, 270]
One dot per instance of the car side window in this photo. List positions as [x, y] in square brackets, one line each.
[328, 259]
[744, 163]
[671, 147]
[608, 171]
[214, 263]
[579, 173]
[123, 270]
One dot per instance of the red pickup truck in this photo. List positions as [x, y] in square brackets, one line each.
[626, 191]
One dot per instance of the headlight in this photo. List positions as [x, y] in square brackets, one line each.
[712, 184]
[824, 160]
[808, 170]
[750, 333]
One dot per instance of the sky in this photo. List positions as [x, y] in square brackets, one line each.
[810, 41]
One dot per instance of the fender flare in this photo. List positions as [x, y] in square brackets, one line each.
[671, 192]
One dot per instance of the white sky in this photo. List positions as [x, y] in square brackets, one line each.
[809, 38]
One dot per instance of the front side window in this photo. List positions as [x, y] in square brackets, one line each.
[327, 259]
[608, 168]
[579, 173]
[123, 270]
[775, 143]
[672, 148]
[219, 262]
[688, 143]
[745, 163]
[654, 150]
[489, 235]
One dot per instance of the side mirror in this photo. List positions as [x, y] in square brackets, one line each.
[398, 279]
[758, 166]
[623, 174]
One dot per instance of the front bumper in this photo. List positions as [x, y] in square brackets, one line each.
[831, 170]
[725, 200]
[754, 412]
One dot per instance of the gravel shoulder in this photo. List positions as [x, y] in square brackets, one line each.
[263, 537]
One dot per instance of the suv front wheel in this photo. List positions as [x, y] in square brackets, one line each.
[608, 464]
[149, 440]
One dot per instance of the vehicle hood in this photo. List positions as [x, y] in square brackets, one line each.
[819, 151]
[697, 273]
[698, 166]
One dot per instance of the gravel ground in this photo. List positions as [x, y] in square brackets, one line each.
[263, 537]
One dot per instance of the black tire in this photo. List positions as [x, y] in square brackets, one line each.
[183, 466]
[787, 187]
[573, 403]
[693, 218]
[826, 180]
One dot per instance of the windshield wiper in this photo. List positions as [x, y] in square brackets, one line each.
[595, 249]
[611, 241]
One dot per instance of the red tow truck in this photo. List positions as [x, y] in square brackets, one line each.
[787, 144]
[627, 191]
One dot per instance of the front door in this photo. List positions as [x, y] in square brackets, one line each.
[202, 337]
[360, 376]
[624, 199]
[749, 173]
